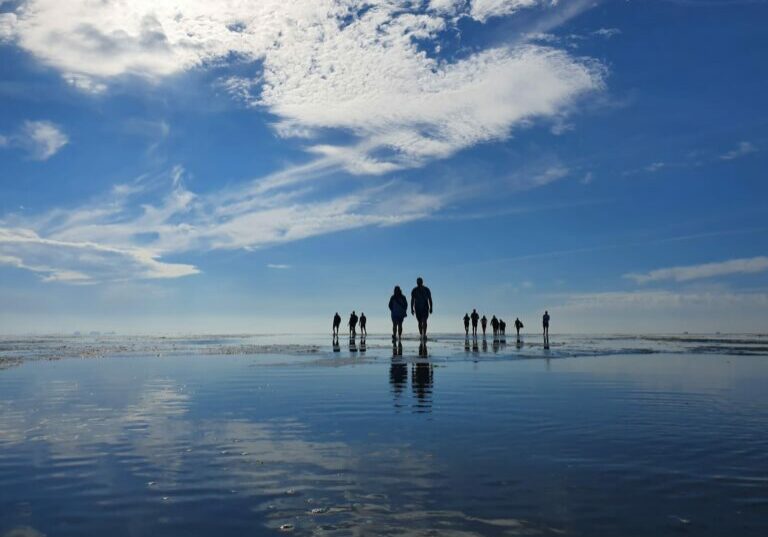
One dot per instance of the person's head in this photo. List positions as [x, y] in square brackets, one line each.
[474, 310]
[362, 314]
[398, 291]
[419, 281]
[353, 312]
[546, 312]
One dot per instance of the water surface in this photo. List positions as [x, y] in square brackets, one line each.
[585, 438]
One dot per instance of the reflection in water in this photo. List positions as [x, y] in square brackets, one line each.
[421, 383]
[423, 351]
[485, 345]
[336, 346]
[546, 342]
[352, 344]
[397, 349]
[362, 344]
[398, 378]
[466, 344]
[475, 348]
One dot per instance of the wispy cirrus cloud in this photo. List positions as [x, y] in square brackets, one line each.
[129, 233]
[706, 270]
[741, 150]
[39, 139]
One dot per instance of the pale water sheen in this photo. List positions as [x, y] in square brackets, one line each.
[595, 436]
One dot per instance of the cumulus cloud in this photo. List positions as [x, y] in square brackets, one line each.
[341, 64]
[706, 270]
[743, 149]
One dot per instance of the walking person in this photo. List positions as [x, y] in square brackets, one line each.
[495, 326]
[518, 326]
[502, 328]
[475, 317]
[421, 305]
[336, 323]
[398, 307]
[484, 324]
[466, 324]
[353, 324]
[545, 323]
[363, 320]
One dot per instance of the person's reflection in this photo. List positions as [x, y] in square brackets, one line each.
[466, 344]
[421, 383]
[362, 344]
[475, 348]
[485, 345]
[496, 345]
[352, 345]
[397, 349]
[546, 342]
[519, 343]
[423, 351]
[336, 346]
[398, 378]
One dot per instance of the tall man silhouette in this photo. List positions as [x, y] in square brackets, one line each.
[421, 305]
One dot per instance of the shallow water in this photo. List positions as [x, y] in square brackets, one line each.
[585, 438]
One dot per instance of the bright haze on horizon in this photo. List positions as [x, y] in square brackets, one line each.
[259, 165]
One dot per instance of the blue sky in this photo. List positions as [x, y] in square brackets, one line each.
[256, 166]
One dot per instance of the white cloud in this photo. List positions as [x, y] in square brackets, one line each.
[128, 234]
[606, 32]
[7, 26]
[706, 270]
[743, 149]
[278, 266]
[41, 139]
[656, 166]
[485, 9]
[344, 64]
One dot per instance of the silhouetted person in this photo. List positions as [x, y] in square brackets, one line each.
[353, 324]
[495, 326]
[484, 324]
[502, 328]
[545, 323]
[466, 325]
[398, 307]
[421, 305]
[336, 323]
[518, 326]
[363, 320]
[475, 317]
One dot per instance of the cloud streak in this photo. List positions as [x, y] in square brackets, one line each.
[707, 270]
[39, 139]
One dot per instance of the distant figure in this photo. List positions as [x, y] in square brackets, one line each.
[502, 328]
[475, 317]
[483, 323]
[353, 324]
[421, 305]
[518, 326]
[336, 323]
[545, 322]
[363, 331]
[466, 324]
[495, 326]
[398, 307]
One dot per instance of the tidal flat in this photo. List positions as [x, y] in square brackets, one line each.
[263, 435]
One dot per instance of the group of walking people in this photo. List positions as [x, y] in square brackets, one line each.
[421, 308]
[353, 321]
[498, 326]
